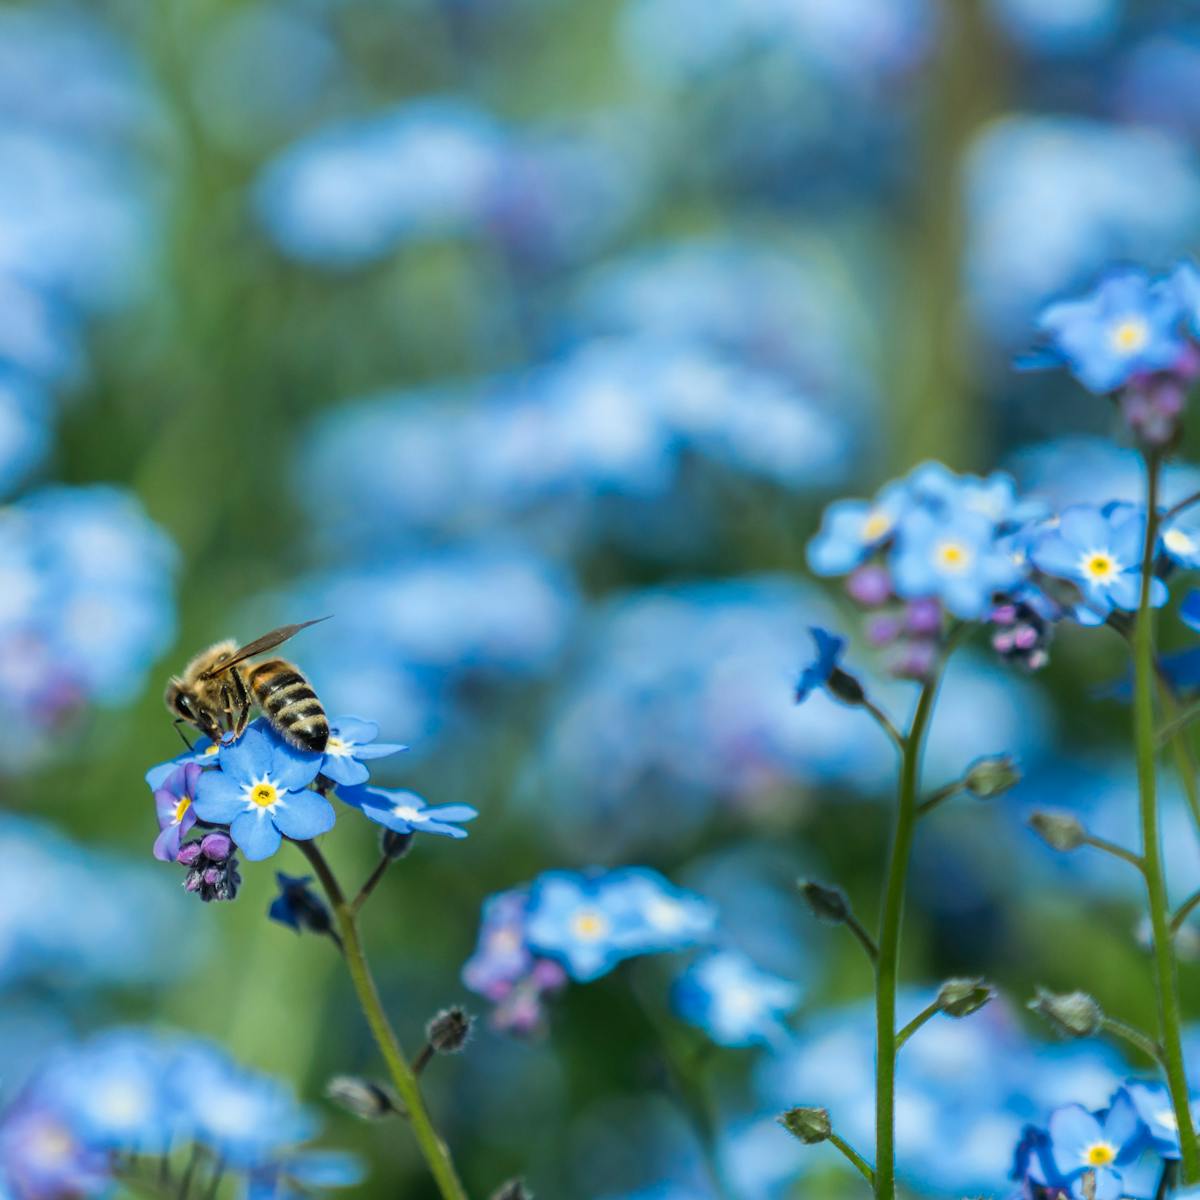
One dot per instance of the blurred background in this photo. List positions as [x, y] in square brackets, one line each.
[529, 337]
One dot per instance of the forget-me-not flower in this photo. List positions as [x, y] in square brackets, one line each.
[735, 1002]
[851, 530]
[817, 674]
[173, 806]
[1103, 1143]
[261, 792]
[351, 741]
[406, 812]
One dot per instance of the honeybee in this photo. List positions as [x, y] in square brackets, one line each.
[216, 693]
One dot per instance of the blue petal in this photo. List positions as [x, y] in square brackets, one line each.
[355, 730]
[343, 770]
[378, 749]
[283, 912]
[291, 769]
[249, 758]
[452, 812]
[437, 827]
[1072, 1130]
[255, 835]
[303, 815]
[1189, 610]
[218, 798]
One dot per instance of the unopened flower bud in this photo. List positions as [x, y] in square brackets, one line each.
[363, 1098]
[962, 997]
[825, 903]
[845, 687]
[1070, 1014]
[1060, 831]
[188, 853]
[989, 777]
[810, 1125]
[514, 1189]
[395, 845]
[448, 1032]
[216, 846]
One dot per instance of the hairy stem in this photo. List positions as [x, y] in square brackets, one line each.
[860, 1164]
[1156, 891]
[889, 947]
[433, 1149]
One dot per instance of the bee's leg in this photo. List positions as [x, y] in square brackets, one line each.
[178, 723]
[242, 699]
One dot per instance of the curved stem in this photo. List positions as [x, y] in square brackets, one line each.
[1135, 1037]
[1184, 911]
[886, 1040]
[930, 1010]
[433, 1149]
[859, 1163]
[1156, 891]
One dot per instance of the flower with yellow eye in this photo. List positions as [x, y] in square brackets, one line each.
[176, 815]
[351, 741]
[852, 530]
[1102, 1143]
[1100, 552]
[1128, 326]
[406, 812]
[261, 792]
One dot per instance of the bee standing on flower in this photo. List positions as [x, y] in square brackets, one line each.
[216, 693]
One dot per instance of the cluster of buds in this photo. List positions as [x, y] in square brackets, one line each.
[212, 867]
[1021, 634]
[911, 629]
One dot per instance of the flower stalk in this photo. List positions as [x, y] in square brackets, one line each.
[433, 1149]
[1145, 740]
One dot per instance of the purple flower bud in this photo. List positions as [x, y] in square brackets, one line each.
[884, 629]
[1025, 637]
[217, 846]
[548, 975]
[1004, 614]
[188, 853]
[1003, 643]
[915, 660]
[213, 876]
[923, 616]
[869, 586]
[192, 882]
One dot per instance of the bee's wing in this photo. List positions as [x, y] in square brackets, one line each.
[268, 641]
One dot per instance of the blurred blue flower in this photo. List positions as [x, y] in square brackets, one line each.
[1069, 27]
[816, 675]
[176, 816]
[733, 1001]
[296, 1176]
[1128, 325]
[1101, 553]
[1052, 200]
[297, 906]
[1181, 539]
[351, 740]
[851, 530]
[24, 424]
[1157, 1113]
[42, 1158]
[406, 812]
[261, 792]
[664, 917]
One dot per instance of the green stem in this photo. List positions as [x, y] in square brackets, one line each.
[941, 796]
[1156, 890]
[931, 1010]
[1176, 734]
[889, 947]
[1184, 911]
[860, 1163]
[433, 1149]
[1135, 1037]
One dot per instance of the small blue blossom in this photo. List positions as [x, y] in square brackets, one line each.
[297, 906]
[580, 922]
[406, 812]
[261, 792]
[953, 557]
[1184, 283]
[734, 1001]
[1181, 539]
[297, 1176]
[664, 917]
[1189, 610]
[1154, 1106]
[1102, 1143]
[351, 740]
[1128, 326]
[203, 753]
[1100, 551]
[852, 530]
[817, 673]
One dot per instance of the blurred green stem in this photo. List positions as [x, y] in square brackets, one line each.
[886, 1039]
[1156, 892]
[1185, 762]
[433, 1149]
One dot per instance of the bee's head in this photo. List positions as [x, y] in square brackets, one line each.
[187, 706]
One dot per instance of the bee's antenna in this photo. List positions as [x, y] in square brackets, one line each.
[178, 722]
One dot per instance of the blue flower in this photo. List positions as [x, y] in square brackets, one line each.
[1126, 327]
[1103, 1143]
[203, 753]
[1181, 539]
[734, 1001]
[298, 1176]
[580, 922]
[406, 812]
[1154, 1107]
[1100, 551]
[954, 557]
[1184, 283]
[663, 917]
[852, 530]
[351, 739]
[261, 792]
[1189, 610]
[297, 906]
[818, 672]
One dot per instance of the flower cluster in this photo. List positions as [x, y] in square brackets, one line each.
[1129, 1148]
[262, 789]
[130, 1103]
[578, 926]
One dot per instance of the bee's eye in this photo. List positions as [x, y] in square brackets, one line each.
[182, 705]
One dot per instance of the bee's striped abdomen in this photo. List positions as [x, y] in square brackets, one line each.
[289, 703]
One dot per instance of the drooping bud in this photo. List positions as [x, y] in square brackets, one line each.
[1070, 1014]
[810, 1125]
[363, 1098]
[1060, 831]
[869, 585]
[449, 1030]
[211, 876]
[962, 997]
[989, 777]
[825, 903]
[298, 907]
[514, 1189]
[395, 845]
[845, 687]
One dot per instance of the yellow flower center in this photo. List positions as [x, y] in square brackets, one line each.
[1100, 1154]
[1178, 542]
[337, 747]
[208, 751]
[264, 795]
[185, 802]
[877, 523]
[952, 556]
[1099, 566]
[589, 925]
[1130, 335]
